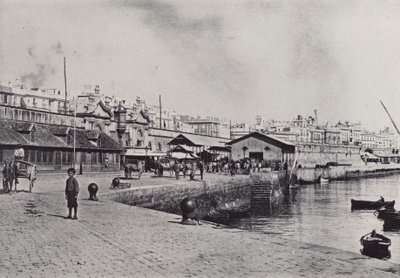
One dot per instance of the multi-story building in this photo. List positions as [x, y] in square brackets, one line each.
[317, 135]
[210, 127]
[368, 140]
[51, 100]
[332, 136]
[301, 121]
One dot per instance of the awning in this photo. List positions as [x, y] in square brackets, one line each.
[181, 149]
[142, 152]
[179, 155]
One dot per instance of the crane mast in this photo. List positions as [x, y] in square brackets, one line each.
[394, 124]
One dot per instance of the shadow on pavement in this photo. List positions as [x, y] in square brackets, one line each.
[57, 215]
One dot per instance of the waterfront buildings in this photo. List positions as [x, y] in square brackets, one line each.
[56, 148]
[143, 131]
[262, 147]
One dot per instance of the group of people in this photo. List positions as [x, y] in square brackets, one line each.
[188, 168]
[244, 166]
[191, 168]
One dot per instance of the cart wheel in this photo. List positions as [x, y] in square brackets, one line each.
[116, 182]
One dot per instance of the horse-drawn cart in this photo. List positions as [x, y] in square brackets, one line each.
[164, 164]
[16, 169]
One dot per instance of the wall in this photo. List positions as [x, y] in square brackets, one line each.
[168, 197]
[45, 159]
[309, 155]
[344, 173]
[231, 194]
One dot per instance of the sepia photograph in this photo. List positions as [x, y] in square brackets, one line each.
[199, 138]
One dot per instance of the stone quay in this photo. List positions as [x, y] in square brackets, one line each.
[111, 239]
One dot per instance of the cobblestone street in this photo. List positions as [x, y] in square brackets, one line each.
[115, 240]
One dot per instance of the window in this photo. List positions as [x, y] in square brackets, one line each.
[33, 136]
[70, 157]
[39, 156]
[139, 141]
[94, 157]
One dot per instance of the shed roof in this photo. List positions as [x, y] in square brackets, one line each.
[47, 136]
[289, 147]
[195, 140]
[181, 149]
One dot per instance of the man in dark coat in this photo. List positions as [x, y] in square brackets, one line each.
[71, 193]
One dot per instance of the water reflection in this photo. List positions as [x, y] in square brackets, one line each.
[321, 214]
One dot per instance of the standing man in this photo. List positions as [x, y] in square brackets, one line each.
[71, 193]
[201, 167]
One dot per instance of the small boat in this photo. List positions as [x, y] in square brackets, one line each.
[375, 245]
[385, 212]
[392, 219]
[361, 204]
[323, 181]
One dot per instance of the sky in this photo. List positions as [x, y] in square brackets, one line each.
[226, 58]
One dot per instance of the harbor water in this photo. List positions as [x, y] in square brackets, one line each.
[322, 215]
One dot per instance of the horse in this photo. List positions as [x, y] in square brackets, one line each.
[6, 171]
[180, 167]
[129, 168]
[10, 176]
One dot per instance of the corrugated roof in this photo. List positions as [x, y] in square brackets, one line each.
[270, 139]
[45, 137]
[198, 140]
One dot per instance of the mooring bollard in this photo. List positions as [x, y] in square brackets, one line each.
[93, 188]
[189, 215]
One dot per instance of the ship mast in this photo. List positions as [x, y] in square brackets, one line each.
[394, 124]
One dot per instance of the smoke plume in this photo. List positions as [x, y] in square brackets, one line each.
[43, 65]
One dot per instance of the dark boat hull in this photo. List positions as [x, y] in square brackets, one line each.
[377, 254]
[376, 246]
[392, 220]
[387, 213]
[360, 204]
